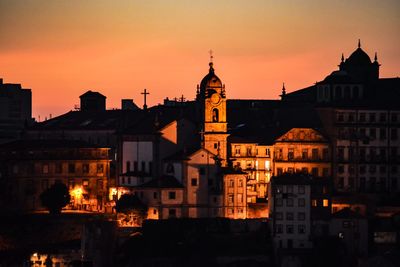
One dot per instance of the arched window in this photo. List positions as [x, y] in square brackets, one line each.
[356, 92]
[215, 115]
[347, 92]
[338, 92]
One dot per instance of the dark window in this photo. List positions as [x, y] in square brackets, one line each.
[155, 195]
[85, 168]
[289, 229]
[279, 171]
[393, 134]
[304, 154]
[202, 171]
[301, 216]
[71, 168]
[143, 166]
[291, 153]
[302, 229]
[314, 172]
[150, 167]
[382, 133]
[289, 216]
[172, 195]
[362, 117]
[128, 166]
[58, 167]
[372, 117]
[325, 154]
[170, 168]
[394, 117]
[314, 153]
[135, 166]
[194, 181]
[301, 189]
[215, 115]
[372, 133]
[382, 117]
[172, 212]
[100, 168]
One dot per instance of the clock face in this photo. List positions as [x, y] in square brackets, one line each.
[215, 98]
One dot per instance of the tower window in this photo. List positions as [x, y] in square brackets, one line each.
[215, 117]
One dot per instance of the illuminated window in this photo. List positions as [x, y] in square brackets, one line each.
[304, 154]
[85, 182]
[325, 202]
[240, 183]
[240, 198]
[231, 183]
[230, 199]
[314, 202]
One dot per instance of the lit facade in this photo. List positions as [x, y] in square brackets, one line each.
[32, 166]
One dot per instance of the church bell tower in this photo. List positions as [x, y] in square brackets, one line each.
[212, 99]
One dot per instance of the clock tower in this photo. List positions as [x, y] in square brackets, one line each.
[212, 100]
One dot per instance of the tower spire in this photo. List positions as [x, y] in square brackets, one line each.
[211, 64]
[359, 43]
[283, 90]
[376, 57]
[342, 58]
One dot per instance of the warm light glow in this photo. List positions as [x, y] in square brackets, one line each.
[76, 192]
[113, 193]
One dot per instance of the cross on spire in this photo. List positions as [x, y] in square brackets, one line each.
[211, 55]
[145, 93]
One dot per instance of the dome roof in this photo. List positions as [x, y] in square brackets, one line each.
[359, 57]
[210, 80]
[338, 76]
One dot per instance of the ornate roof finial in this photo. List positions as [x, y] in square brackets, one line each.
[376, 57]
[342, 57]
[359, 43]
[283, 90]
[211, 64]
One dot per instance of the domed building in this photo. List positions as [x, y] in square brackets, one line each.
[360, 67]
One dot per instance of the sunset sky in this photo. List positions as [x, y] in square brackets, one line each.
[61, 49]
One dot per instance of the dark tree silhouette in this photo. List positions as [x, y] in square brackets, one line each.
[55, 197]
[134, 209]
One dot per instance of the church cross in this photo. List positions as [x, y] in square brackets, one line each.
[145, 93]
[211, 55]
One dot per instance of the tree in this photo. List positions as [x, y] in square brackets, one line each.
[135, 211]
[55, 197]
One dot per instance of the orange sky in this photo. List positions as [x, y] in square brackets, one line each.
[60, 49]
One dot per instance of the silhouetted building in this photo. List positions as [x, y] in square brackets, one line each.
[15, 110]
[93, 101]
